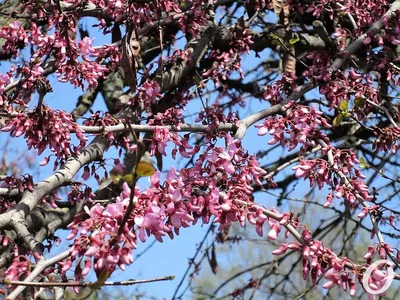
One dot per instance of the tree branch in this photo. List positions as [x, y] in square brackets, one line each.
[83, 284]
[29, 200]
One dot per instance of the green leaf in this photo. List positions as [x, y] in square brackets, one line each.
[344, 105]
[338, 119]
[294, 41]
[359, 101]
[363, 163]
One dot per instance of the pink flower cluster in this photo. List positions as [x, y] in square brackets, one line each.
[31, 79]
[225, 63]
[365, 12]
[160, 141]
[217, 186]
[172, 116]
[148, 93]
[22, 183]
[321, 172]
[21, 266]
[161, 138]
[59, 45]
[318, 70]
[15, 39]
[213, 116]
[381, 249]
[5, 80]
[338, 90]
[76, 73]
[319, 260]
[386, 138]
[142, 13]
[47, 128]
[191, 23]
[300, 126]
[346, 280]
[272, 93]
[99, 241]
[77, 194]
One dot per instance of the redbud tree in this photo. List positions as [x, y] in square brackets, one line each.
[315, 80]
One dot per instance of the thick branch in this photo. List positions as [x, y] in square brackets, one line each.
[63, 176]
[147, 128]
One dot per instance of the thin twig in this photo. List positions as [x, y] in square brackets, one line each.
[388, 115]
[82, 284]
